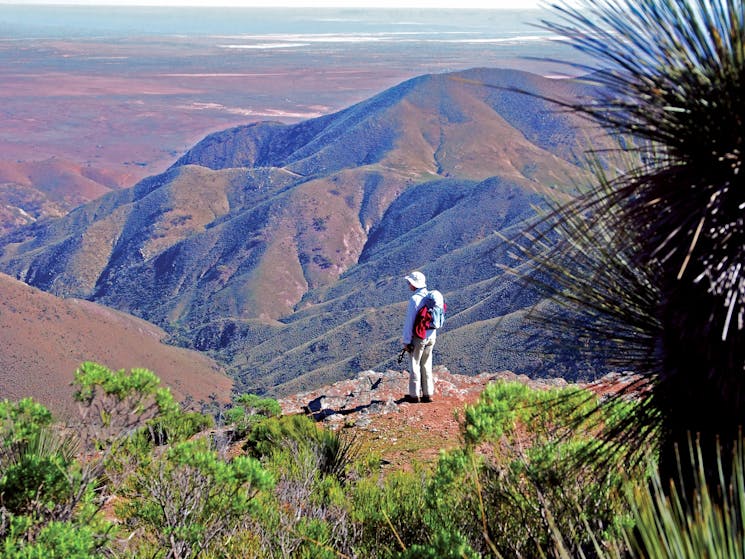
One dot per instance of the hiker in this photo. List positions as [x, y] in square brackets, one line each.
[421, 381]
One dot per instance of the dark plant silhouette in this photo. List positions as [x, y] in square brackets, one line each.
[598, 304]
[651, 261]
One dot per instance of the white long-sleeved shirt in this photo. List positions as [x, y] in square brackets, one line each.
[415, 302]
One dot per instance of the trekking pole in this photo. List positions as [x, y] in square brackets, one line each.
[401, 355]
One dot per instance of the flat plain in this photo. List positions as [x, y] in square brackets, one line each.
[122, 98]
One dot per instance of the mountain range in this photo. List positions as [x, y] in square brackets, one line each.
[279, 249]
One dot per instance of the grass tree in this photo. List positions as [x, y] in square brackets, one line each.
[665, 286]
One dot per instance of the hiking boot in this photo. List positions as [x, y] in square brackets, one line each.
[426, 399]
[411, 399]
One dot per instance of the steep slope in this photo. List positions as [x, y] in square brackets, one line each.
[355, 323]
[46, 338]
[32, 190]
[279, 248]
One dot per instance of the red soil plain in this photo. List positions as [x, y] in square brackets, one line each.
[131, 109]
[128, 108]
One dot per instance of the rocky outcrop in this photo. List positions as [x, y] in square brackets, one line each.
[371, 408]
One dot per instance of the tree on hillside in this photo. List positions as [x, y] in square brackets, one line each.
[661, 247]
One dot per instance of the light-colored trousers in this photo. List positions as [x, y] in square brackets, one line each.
[421, 381]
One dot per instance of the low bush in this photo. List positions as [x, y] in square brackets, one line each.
[248, 410]
[188, 500]
[521, 475]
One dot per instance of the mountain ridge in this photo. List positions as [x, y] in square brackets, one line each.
[279, 248]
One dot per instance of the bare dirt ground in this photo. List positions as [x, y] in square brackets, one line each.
[400, 432]
[44, 339]
[371, 407]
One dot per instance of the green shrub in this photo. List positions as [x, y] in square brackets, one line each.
[527, 476]
[36, 476]
[444, 545]
[334, 453]
[116, 403]
[308, 512]
[57, 540]
[22, 419]
[49, 503]
[249, 409]
[189, 500]
[34, 460]
[176, 427]
[390, 513]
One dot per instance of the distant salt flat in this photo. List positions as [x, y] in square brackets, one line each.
[262, 113]
[404, 37]
[346, 37]
[500, 40]
[266, 46]
[223, 75]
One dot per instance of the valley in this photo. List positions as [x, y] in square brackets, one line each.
[256, 183]
[278, 249]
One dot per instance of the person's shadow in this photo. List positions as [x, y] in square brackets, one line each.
[319, 413]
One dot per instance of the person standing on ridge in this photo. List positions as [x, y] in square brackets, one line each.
[421, 381]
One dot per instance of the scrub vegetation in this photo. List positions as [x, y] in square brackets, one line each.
[646, 264]
[649, 263]
[140, 477]
[148, 479]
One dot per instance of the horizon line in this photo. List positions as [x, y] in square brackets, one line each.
[316, 4]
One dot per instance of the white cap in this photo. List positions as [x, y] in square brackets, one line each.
[417, 279]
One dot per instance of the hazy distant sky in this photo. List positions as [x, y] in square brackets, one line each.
[484, 4]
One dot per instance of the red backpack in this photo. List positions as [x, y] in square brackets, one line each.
[430, 315]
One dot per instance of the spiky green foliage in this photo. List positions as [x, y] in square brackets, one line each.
[333, 452]
[444, 546]
[711, 524]
[22, 419]
[672, 73]
[307, 515]
[700, 521]
[49, 503]
[37, 473]
[600, 304]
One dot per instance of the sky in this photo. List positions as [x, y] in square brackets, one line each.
[482, 4]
